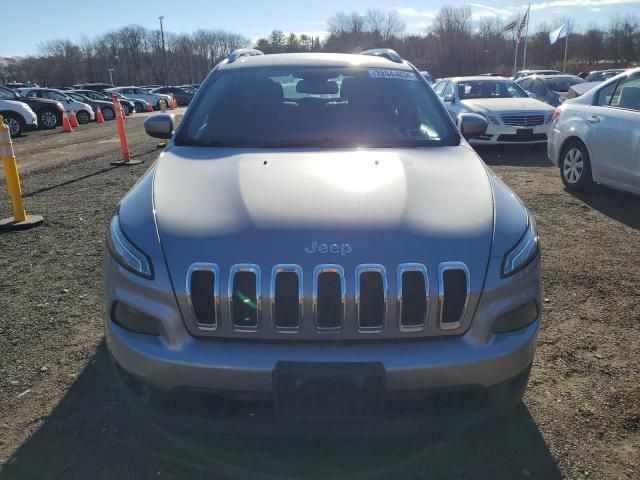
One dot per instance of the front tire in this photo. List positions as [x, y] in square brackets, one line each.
[575, 167]
[83, 117]
[15, 124]
[127, 109]
[139, 107]
[108, 114]
[48, 119]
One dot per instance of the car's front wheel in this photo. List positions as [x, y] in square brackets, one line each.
[14, 122]
[83, 117]
[127, 109]
[575, 167]
[139, 107]
[48, 119]
[108, 113]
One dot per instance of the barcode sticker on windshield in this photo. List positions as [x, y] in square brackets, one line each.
[393, 74]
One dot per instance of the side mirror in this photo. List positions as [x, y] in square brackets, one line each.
[449, 98]
[472, 125]
[160, 125]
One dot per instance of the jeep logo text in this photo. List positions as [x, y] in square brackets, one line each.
[324, 248]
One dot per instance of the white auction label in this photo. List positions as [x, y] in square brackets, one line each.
[393, 74]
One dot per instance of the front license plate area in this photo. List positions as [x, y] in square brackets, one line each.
[525, 132]
[328, 392]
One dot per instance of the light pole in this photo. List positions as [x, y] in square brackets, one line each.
[110, 70]
[164, 52]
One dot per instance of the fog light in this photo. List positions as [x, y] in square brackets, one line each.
[517, 318]
[134, 320]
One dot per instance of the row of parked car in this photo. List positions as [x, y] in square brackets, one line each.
[28, 106]
[592, 128]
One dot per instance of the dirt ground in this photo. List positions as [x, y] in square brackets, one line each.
[61, 417]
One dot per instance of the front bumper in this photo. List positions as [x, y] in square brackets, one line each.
[505, 135]
[477, 362]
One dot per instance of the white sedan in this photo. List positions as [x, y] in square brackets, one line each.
[512, 115]
[596, 137]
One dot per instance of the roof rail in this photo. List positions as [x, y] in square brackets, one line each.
[387, 53]
[243, 52]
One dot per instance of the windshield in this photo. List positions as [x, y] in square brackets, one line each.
[562, 84]
[469, 89]
[317, 106]
[6, 94]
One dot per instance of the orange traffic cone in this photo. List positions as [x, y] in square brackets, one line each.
[175, 102]
[149, 107]
[99, 117]
[66, 125]
[73, 119]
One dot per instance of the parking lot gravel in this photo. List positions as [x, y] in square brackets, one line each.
[61, 416]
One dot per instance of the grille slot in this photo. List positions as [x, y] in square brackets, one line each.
[244, 293]
[413, 297]
[454, 294]
[371, 297]
[329, 297]
[523, 119]
[202, 288]
[286, 284]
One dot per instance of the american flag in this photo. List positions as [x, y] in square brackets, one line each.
[523, 23]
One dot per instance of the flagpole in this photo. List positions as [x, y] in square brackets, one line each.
[566, 43]
[526, 37]
[515, 58]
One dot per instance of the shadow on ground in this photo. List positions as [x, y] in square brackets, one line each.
[92, 434]
[620, 206]
[515, 155]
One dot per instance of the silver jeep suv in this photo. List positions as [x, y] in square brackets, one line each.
[319, 245]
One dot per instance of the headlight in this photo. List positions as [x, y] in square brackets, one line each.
[490, 118]
[561, 99]
[125, 252]
[523, 253]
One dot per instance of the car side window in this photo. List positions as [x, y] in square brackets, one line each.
[538, 87]
[439, 87]
[448, 90]
[525, 84]
[606, 94]
[627, 94]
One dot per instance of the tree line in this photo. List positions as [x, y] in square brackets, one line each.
[454, 44]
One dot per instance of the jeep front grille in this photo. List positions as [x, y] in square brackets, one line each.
[371, 297]
[286, 292]
[329, 297]
[244, 295]
[362, 302]
[454, 294]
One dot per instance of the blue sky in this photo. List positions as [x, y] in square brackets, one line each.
[25, 26]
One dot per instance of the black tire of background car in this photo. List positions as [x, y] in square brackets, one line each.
[585, 182]
[46, 117]
[83, 117]
[139, 107]
[127, 109]
[14, 122]
[108, 113]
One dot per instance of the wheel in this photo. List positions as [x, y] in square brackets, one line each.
[108, 113]
[83, 117]
[48, 119]
[139, 107]
[575, 167]
[14, 122]
[127, 109]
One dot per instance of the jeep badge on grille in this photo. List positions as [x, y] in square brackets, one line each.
[324, 248]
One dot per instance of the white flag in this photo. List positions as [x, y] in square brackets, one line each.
[558, 33]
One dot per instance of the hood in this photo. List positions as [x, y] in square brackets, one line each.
[486, 105]
[17, 105]
[264, 207]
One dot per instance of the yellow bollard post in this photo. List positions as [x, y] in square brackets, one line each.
[20, 219]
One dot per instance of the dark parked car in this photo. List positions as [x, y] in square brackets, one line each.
[129, 106]
[552, 89]
[49, 112]
[97, 87]
[106, 107]
[182, 96]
